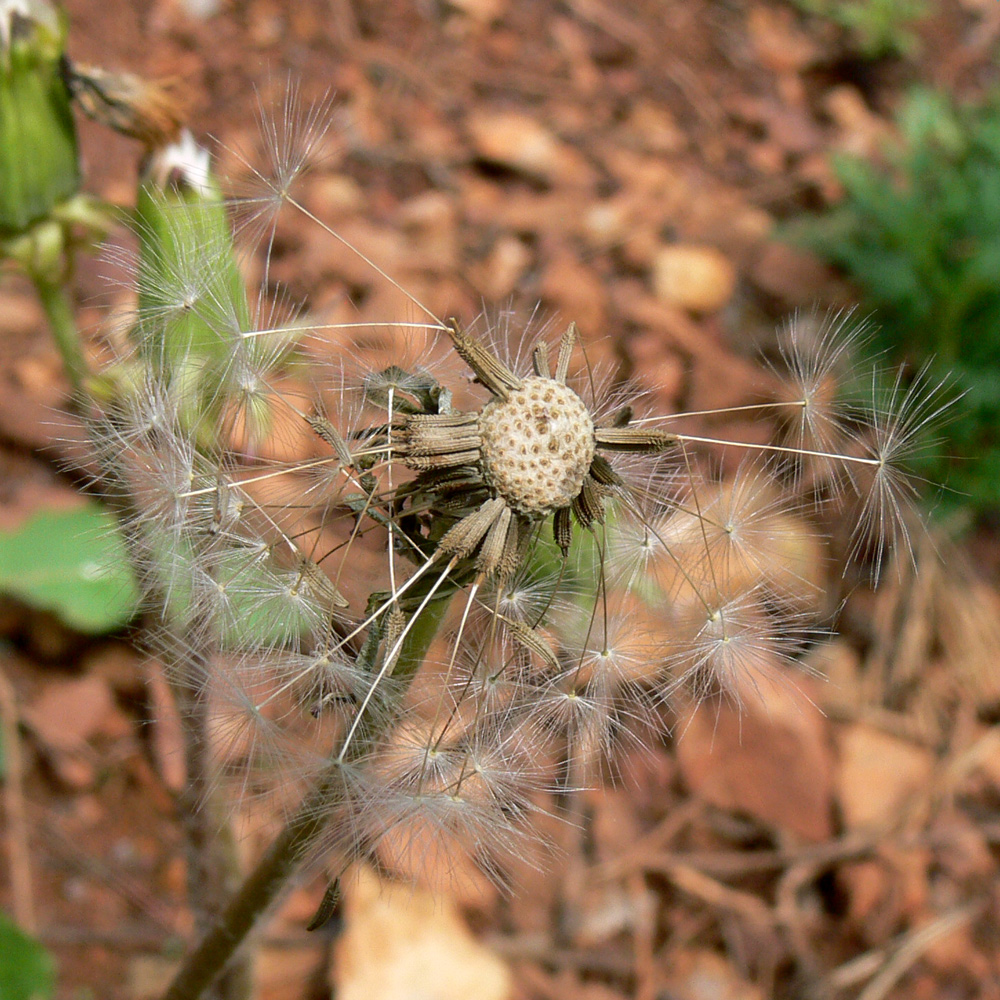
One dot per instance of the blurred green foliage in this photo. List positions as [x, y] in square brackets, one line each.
[71, 562]
[39, 164]
[27, 971]
[875, 28]
[920, 236]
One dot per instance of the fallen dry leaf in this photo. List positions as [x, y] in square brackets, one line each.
[402, 943]
[877, 773]
[517, 141]
[768, 757]
[69, 712]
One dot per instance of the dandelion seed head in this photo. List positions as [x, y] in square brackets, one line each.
[537, 445]
[597, 563]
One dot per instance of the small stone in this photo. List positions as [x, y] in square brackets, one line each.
[404, 943]
[519, 142]
[697, 278]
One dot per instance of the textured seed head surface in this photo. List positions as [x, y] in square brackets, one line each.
[537, 445]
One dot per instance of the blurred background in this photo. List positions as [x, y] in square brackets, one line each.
[678, 177]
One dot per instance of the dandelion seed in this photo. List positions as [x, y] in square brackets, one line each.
[456, 595]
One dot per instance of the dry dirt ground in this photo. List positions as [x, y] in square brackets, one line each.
[575, 154]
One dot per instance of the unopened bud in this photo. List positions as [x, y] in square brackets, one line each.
[39, 161]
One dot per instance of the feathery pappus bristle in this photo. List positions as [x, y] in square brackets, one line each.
[441, 569]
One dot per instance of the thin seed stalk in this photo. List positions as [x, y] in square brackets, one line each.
[59, 313]
[259, 890]
[212, 859]
[300, 835]
[213, 868]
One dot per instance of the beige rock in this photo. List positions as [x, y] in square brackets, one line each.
[482, 11]
[877, 774]
[697, 278]
[402, 943]
[519, 142]
[699, 974]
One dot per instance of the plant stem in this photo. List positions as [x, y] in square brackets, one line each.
[213, 869]
[258, 891]
[265, 883]
[59, 313]
[213, 865]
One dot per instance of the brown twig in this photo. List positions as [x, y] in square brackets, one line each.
[17, 826]
[708, 890]
[913, 945]
[731, 864]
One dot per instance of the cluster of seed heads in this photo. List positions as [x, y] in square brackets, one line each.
[439, 613]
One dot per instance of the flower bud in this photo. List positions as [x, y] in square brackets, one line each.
[39, 161]
[193, 304]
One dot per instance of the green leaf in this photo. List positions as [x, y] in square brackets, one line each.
[27, 971]
[917, 233]
[73, 563]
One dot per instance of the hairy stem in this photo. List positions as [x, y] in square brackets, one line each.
[213, 869]
[302, 832]
[260, 889]
[212, 861]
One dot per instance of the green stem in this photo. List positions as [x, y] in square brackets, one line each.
[212, 859]
[302, 832]
[59, 312]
